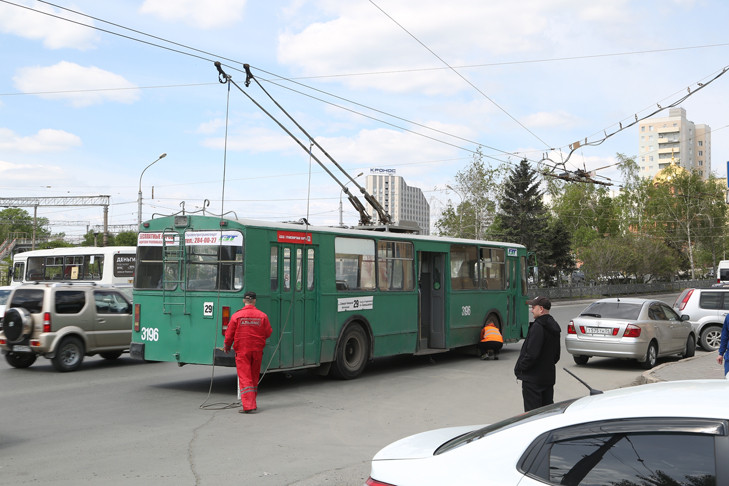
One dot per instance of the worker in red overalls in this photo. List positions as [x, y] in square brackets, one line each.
[491, 341]
[247, 332]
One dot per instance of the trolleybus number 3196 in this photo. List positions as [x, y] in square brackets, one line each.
[150, 334]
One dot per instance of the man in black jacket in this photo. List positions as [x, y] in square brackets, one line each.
[539, 354]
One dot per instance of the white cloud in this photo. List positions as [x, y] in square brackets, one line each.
[46, 140]
[210, 127]
[556, 119]
[253, 140]
[371, 148]
[203, 15]
[54, 32]
[29, 173]
[358, 37]
[75, 83]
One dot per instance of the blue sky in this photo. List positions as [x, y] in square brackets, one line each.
[83, 111]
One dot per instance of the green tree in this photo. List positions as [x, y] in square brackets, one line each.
[523, 217]
[478, 191]
[632, 202]
[587, 210]
[126, 238]
[680, 208]
[606, 258]
[558, 249]
[97, 239]
[17, 222]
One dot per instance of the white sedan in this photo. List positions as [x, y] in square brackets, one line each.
[663, 433]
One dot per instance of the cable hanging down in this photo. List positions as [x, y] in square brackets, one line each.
[365, 218]
[576, 145]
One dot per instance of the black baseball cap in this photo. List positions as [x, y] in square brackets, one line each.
[249, 295]
[541, 301]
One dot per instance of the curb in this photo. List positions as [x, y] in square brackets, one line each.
[651, 376]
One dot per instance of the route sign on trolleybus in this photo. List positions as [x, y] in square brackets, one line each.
[336, 298]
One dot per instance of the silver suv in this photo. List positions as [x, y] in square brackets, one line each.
[65, 322]
[706, 309]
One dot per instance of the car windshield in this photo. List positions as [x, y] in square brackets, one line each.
[4, 296]
[469, 437]
[613, 310]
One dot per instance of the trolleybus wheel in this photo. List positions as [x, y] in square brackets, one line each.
[352, 354]
[493, 319]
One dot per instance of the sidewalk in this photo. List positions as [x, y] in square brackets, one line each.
[703, 366]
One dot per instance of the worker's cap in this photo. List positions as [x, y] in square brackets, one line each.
[249, 295]
[540, 301]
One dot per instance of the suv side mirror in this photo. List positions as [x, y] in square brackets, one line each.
[685, 317]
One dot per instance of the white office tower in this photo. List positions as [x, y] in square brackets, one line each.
[406, 205]
[674, 139]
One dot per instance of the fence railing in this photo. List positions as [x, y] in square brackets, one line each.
[599, 291]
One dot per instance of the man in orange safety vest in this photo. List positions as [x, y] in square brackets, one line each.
[491, 341]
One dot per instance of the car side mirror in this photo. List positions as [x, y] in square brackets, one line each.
[685, 317]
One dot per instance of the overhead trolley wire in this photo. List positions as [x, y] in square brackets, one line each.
[511, 63]
[236, 68]
[460, 75]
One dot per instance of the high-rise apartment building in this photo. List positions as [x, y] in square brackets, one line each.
[674, 139]
[406, 205]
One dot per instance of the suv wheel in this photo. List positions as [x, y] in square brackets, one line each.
[69, 355]
[711, 338]
[20, 360]
[110, 354]
[17, 324]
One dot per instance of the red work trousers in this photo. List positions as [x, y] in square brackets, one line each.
[248, 364]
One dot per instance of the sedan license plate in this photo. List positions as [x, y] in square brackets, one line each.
[21, 349]
[599, 330]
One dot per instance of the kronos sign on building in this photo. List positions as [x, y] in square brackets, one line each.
[379, 171]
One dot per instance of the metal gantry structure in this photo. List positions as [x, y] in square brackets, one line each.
[36, 202]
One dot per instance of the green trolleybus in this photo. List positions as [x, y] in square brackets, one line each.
[336, 297]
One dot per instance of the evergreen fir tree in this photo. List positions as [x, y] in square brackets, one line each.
[523, 216]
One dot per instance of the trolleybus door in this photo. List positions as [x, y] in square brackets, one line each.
[294, 300]
[431, 332]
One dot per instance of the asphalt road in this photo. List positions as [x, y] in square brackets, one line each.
[127, 422]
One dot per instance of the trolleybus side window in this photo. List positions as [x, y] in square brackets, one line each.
[464, 267]
[287, 269]
[395, 265]
[310, 269]
[524, 281]
[274, 268]
[492, 269]
[299, 258]
[355, 258]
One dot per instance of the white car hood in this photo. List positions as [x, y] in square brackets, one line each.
[422, 445]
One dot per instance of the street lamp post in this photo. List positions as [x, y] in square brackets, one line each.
[341, 221]
[139, 194]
